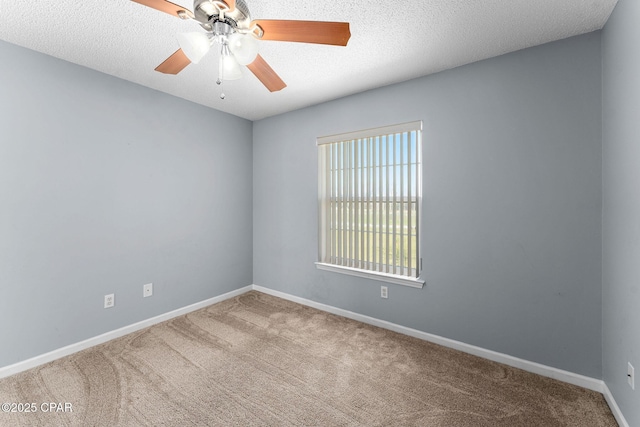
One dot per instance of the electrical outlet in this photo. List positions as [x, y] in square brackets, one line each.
[631, 376]
[109, 300]
[147, 290]
[384, 292]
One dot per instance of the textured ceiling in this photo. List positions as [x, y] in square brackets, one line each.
[392, 41]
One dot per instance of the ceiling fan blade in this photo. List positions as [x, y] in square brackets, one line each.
[266, 75]
[167, 7]
[333, 33]
[174, 64]
[231, 4]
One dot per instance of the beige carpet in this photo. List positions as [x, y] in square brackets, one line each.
[256, 360]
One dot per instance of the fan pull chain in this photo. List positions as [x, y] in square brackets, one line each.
[219, 83]
[221, 74]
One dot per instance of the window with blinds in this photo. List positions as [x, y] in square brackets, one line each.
[370, 203]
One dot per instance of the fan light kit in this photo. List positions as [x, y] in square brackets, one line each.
[228, 24]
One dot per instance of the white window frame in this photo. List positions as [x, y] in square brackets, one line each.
[357, 178]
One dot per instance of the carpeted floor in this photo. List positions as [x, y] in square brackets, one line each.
[257, 360]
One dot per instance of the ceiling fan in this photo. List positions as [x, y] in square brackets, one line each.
[229, 23]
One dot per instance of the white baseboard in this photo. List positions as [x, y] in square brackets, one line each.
[74, 348]
[615, 409]
[536, 368]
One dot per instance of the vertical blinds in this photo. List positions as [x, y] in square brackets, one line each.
[369, 199]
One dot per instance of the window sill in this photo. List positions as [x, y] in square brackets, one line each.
[384, 277]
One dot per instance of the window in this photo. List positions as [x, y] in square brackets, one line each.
[370, 195]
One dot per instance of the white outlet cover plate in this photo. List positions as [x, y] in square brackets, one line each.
[147, 290]
[631, 376]
[109, 300]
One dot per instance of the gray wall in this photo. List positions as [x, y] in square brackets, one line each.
[104, 186]
[512, 204]
[621, 205]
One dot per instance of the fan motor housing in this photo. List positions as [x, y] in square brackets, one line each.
[208, 11]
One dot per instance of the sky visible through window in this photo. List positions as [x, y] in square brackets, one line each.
[383, 165]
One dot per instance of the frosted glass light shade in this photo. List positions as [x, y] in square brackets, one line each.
[194, 45]
[229, 68]
[244, 47]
